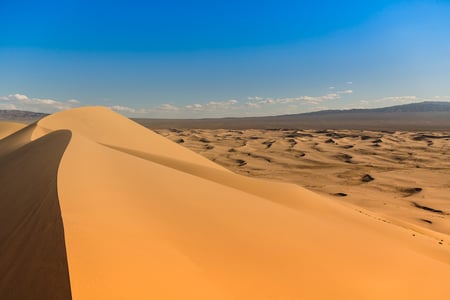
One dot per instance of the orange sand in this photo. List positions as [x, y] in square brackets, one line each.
[145, 218]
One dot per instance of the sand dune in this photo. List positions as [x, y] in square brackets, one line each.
[145, 218]
[7, 128]
[402, 175]
[33, 256]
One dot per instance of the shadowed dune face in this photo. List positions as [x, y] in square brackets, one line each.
[33, 262]
[16, 139]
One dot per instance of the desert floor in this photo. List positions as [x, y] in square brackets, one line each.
[95, 206]
[404, 176]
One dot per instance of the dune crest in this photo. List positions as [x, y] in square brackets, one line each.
[145, 218]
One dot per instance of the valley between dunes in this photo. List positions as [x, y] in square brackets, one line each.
[95, 206]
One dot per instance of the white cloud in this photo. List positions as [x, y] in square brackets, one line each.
[301, 99]
[120, 108]
[23, 102]
[168, 107]
[195, 106]
[331, 96]
[8, 106]
[47, 101]
[15, 97]
[399, 99]
[252, 105]
[445, 98]
[254, 98]
[345, 92]
[212, 106]
[19, 97]
[349, 82]
[221, 104]
[331, 87]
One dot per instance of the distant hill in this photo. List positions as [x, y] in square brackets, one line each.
[426, 106]
[426, 115]
[20, 116]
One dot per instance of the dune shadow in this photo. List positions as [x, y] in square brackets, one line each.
[33, 261]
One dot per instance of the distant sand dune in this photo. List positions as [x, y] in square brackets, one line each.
[145, 218]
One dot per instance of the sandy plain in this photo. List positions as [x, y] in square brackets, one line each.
[95, 206]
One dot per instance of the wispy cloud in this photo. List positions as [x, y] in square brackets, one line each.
[8, 106]
[253, 105]
[168, 107]
[300, 99]
[23, 102]
[399, 99]
[444, 98]
[249, 106]
[212, 105]
[364, 102]
[125, 109]
[345, 92]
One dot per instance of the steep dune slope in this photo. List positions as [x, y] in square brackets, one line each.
[147, 219]
[33, 261]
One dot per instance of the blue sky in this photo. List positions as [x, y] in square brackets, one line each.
[230, 58]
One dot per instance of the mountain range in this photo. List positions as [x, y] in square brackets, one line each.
[428, 115]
